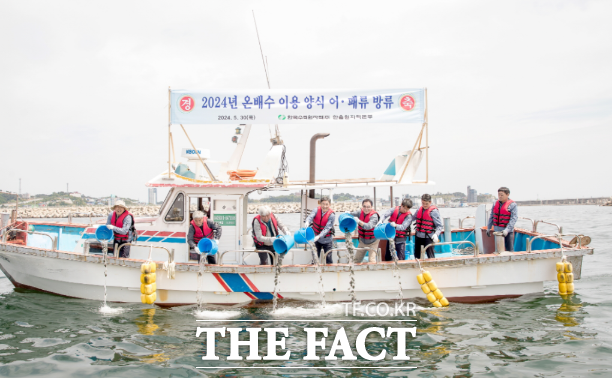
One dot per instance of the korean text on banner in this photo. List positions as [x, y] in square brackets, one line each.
[298, 106]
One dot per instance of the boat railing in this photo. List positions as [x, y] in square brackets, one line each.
[170, 251]
[53, 238]
[323, 256]
[462, 220]
[557, 236]
[475, 246]
[535, 226]
[80, 213]
[248, 251]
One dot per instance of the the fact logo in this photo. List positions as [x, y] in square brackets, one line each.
[407, 102]
[186, 104]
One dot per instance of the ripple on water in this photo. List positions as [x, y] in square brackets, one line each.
[40, 342]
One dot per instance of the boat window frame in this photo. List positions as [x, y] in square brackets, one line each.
[161, 208]
[178, 192]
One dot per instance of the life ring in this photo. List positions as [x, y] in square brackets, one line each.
[241, 174]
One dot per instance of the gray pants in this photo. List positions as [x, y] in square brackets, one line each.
[359, 255]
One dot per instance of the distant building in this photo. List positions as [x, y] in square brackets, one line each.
[152, 196]
[472, 195]
[439, 201]
[76, 194]
[25, 195]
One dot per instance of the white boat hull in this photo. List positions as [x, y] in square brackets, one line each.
[461, 278]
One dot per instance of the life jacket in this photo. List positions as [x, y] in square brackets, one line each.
[320, 221]
[363, 233]
[264, 228]
[398, 218]
[118, 222]
[424, 221]
[501, 215]
[201, 233]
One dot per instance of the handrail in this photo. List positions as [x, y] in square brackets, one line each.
[80, 212]
[530, 241]
[170, 254]
[535, 226]
[323, 257]
[274, 257]
[475, 246]
[53, 239]
[461, 220]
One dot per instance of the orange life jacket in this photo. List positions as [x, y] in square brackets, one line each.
[424, 221]
[501, 215]
[264, 228]
[363, 233]
[201, 233]
[398, 218]
[118, 222]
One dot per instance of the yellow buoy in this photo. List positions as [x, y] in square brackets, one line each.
[421, 279]
[437, 304]
[143, 298]
[153, 266]
[444, 302]
[425, 289]
[561, 277]
[149, 299]
[438, 294]
[569, 277]
[560, 267]
[149, 289]
[432, 285]
[568, 267]
[562, 288]
[431, 297]
[570, 288]
[427, 276]
[147, 278]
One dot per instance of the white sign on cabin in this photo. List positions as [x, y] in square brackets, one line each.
[190, 153]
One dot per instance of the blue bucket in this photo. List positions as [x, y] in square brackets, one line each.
[208, 246]
[384, 231]
[103, 233]
[283, 244]
[304, 235]
[347, 222]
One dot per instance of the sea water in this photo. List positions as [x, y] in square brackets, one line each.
[539, 335]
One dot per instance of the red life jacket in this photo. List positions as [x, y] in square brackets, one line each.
[501, 215]
[320, 221]
[201, 233]
[424, 221]
[264, 228]
[118, 222]
[363, 233]
[398, 218]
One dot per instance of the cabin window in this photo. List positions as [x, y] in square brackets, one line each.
[177, 211]
[199, 204]
[161, 208]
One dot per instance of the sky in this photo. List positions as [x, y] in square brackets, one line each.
[519, 93]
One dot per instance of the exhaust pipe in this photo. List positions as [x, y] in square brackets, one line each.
[313, 159]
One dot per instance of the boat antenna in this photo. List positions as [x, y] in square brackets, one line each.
[260, 50]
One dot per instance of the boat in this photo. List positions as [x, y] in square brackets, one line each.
[67, 259]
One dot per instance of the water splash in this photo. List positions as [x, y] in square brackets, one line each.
[220, 314]
[317, 263]
[104, 253]
[313, 311]
[351, 258]
[279, 263]
[396, 269]
[110, 310]
[200, 283]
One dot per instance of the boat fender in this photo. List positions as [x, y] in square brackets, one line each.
[565, 276]
[431, 290]
[148, 286]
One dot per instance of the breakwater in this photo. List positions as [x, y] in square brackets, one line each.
[144, 211]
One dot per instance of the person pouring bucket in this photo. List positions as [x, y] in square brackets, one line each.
[400, 217]
[121, 223]
[265, 229]
[428, 227]
[368, 219]
[322, 223]
[201, 227]
[504, 215]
